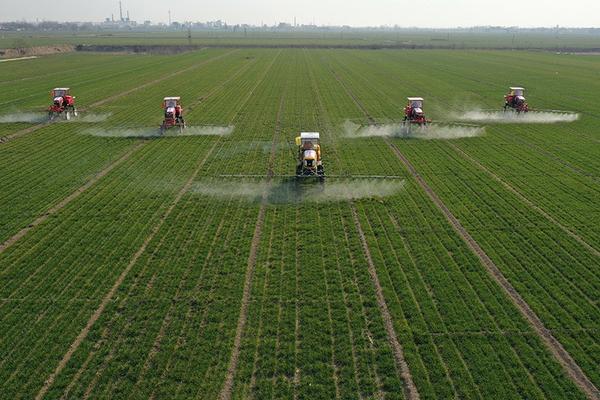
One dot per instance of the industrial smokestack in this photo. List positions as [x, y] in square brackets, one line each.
[121, 11]
[127, 15]
[169, 17]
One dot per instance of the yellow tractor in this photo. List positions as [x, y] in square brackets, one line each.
[309, 162]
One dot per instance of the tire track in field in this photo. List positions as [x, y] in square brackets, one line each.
[23, 132]
[64, 202]
[525, 200]
[554, 346]
[410, 389]
[560, 354]
[251, 265]
[108, 297]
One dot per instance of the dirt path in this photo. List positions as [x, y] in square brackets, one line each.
[410, 389]
[17, 59]
[525, 200]
[23, 132]
[251, 266]
[562, 356]
[64, 202]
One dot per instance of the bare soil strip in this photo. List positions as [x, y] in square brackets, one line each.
[34, 128]
[23, 132]
[410, 389]
[108, 297]
[562, 356]
[525, 200]
[64, 202]
[250, 267]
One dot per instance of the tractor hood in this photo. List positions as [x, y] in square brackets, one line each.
[418, 110]
[58, 99]
[170, 110]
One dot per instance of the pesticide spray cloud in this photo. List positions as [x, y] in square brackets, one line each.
[428, 132]
[32, 118]
[509, 117]
[91, 118]
[36, 118]
[291, 192]
[155, 132]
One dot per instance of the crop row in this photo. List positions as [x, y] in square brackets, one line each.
[193, 273]
[121, 210]
[460, 312]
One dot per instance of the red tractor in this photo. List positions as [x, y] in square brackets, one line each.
[515, 100]
[173, 114]
[63, 104]
[413, 112]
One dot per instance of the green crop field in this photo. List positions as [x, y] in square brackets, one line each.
[457, 265]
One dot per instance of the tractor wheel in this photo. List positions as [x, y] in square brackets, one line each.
[75, 113]
[50, 116]
[68, 115]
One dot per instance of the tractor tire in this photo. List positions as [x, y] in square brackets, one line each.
[75, 113]
[68, 115]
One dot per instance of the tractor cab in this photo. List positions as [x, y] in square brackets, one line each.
[515, 99]
[309, 155]
[413, 112]
[170, 105]
[60, 92]
[173, 113]
[61, 97]
[62, 104]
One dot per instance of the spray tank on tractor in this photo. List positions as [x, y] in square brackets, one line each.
[309, 162]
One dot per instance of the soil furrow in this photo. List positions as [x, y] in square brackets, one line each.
[410, 389]
[525, 200]
[250, 267]
[562, 356]
[63, 203]
[108, 297]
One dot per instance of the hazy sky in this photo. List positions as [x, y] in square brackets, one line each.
[426, 13]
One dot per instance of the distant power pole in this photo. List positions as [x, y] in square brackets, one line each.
[190, 35]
